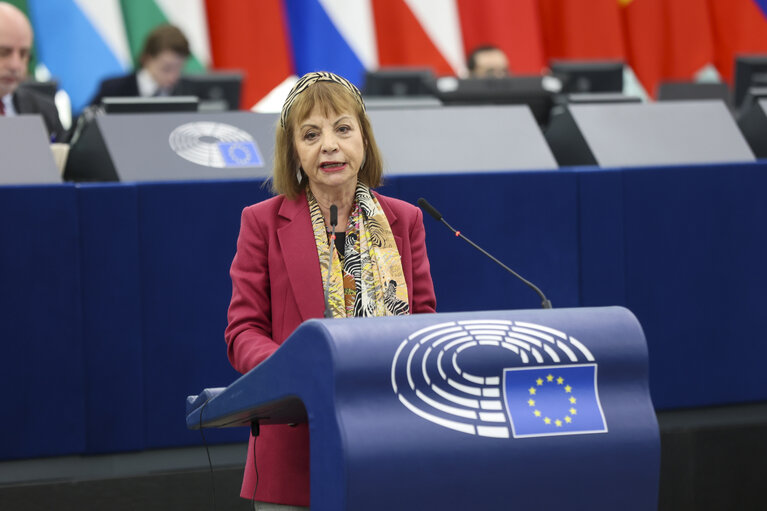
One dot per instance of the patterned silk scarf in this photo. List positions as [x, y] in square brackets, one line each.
[371, 282]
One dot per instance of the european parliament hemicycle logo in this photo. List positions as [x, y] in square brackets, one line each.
[215, 144]
[545, 382]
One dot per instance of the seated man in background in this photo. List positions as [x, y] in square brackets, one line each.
[15, 48]
[162, 60]
[487, 62]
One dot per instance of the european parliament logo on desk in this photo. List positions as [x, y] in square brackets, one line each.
[215, 144]
[534, 381]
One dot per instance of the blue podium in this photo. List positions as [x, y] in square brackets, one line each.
[532, 409]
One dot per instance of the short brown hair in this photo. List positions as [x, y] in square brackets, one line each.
[288, 178]
[164, 37]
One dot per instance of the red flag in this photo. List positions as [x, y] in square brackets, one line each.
[514, 26]
[740, 27]
[667, 40]
[251, 36]
[582, 29]
[402, 40]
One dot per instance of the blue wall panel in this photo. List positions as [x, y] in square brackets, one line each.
[41, 351]
[111, 293]
[527, 220]
[188, 237]
[601, 238]
[115, 296]
[696, 279]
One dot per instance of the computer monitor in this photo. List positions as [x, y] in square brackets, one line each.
[217, 90]
[690, 91]
[401, 102]
[141, 105]
[752, 120]
[399, 82]
[599, 97]
[48, 88]
[582, 76]
[513, 90]
[750, 71]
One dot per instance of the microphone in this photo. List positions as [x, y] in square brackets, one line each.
[333, 223]
[431, 210]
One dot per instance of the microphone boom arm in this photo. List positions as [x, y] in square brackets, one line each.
[545, 302]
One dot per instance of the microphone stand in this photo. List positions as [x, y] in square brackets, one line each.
[545, 302]
[333, 223]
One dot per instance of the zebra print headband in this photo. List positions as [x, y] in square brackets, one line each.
[310, 79]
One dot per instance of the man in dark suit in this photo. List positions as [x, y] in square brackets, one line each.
[28, 101]
[162, 60]
[487, 62]
[15, 47]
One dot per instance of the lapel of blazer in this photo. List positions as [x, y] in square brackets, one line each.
[22, 102]
[391, 216]
[131, 84]
[299, 253]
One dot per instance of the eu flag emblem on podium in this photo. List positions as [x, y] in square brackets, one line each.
[240, 154]
[553, 400]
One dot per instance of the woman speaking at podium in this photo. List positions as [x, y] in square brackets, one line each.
[326, 161]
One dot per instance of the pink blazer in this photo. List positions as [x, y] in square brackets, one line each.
[276, 285]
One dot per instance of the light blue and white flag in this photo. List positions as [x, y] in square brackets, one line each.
[81, 42]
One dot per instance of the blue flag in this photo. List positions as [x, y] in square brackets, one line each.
[553, 400]
[310, 21]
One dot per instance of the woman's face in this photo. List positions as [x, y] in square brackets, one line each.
[165, 68]
[331, 150]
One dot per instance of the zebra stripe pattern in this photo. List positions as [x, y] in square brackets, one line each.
[310, 79]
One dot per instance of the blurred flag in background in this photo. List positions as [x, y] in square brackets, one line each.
[80, 42]
[84, 41]
[667, 40]
[738, 27]
[141, 16]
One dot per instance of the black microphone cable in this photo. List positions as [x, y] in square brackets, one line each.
[255, 429]
[431, 210]
[207, 451]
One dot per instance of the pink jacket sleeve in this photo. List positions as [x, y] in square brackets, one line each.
[249, 332]
[423, 298]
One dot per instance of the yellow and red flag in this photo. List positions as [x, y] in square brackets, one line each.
[666, 40]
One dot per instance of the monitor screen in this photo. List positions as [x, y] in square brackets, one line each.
[218, 91]
[599, 97]
[750, 71]
[401, 102]
[513, 90]
[399, 82]
[752, 121]
[588, 75]
[140, 105]
[680, 91]
[48, 88]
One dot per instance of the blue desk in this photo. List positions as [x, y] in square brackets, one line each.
[114, 296]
